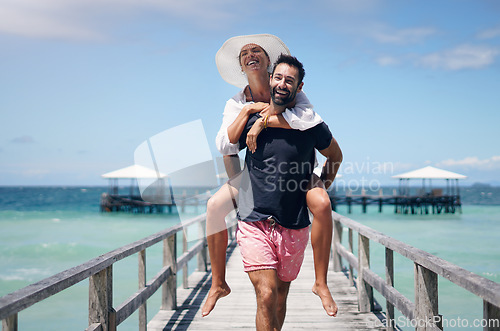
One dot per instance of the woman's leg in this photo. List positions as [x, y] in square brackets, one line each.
[218, 206]
[319, 204]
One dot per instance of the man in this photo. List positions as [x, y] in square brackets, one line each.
[244, 61]
[273, 227]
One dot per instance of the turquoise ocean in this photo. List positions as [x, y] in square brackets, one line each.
[45, 230]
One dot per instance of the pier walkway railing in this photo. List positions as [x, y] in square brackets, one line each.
[102, 314]
[424, 311]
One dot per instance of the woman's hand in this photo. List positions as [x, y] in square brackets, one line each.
[253, 133]
[255, 107]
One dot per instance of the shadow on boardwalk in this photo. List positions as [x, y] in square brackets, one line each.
[237, 311]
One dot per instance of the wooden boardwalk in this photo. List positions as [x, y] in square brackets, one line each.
[237, 311]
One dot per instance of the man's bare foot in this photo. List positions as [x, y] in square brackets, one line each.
[215, 293]
[324, 294]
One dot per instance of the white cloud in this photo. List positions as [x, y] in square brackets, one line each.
[461, 57]
[387, 61]
[35, 24]
[489, 33]
[34, 172]
[84, 19]
[23, 140]
[473, 162]
[351, 7]
[43, 19]
[387, 35]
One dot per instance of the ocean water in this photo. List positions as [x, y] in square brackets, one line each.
[469, 240]
[46, 230]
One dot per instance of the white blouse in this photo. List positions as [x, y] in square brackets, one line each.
[301, 117]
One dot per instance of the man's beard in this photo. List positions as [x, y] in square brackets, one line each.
[281, 101]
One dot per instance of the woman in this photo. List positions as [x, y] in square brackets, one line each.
[244, 61]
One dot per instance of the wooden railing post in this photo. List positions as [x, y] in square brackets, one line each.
[185, 271]
[202, 255]
[169, 289]
[389, 279]
[101, 299]
[491, 315]
[143, 317]
[230, 232]
[365, 291]
[337, 240]
[351, 268]
[10, 323]
[426, 299]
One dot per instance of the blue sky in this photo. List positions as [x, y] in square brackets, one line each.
[402, 84]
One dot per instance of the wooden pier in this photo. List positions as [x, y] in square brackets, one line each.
[237, 310]
[403, 204]
[136, 204]
[180, 307]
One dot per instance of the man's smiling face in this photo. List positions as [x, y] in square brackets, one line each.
[284, 84]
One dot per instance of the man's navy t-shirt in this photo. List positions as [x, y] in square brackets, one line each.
[276, 176]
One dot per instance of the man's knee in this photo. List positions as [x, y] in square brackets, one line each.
[267, 295]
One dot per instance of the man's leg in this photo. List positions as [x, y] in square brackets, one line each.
[319, 204]
[218, 206]
[283, 288]
[271, 299]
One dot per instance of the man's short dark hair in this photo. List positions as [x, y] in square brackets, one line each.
[293, 62]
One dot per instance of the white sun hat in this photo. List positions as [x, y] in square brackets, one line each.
[227, 57]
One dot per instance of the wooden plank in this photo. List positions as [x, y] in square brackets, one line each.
[480, 286]
[202, 255]
[185, 271]
[389, 280]
[31, 294]
[187, 256]
[426, 298]
[337, 239]
[491, 315]
[101, 297]
[365, 291]
[10, 323]
[94, 327]
[143, 312]
[237, 311]
[129, 306]
[169, 288]
[351, 258]
[403, 304]
[351, 250]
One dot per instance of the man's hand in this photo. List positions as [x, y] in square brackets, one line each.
[254, 133]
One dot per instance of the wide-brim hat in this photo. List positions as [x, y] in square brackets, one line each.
[227, 57]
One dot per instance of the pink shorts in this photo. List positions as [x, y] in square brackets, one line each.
[267, 245]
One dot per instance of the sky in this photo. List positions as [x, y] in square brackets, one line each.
[401, 84]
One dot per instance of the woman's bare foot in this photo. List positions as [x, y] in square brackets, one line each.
[324, 294]
[215, 293]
